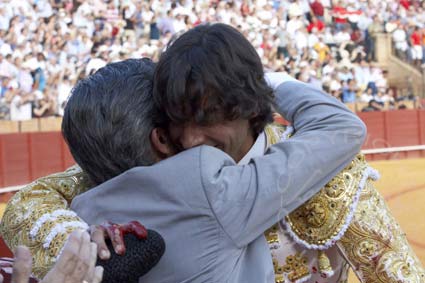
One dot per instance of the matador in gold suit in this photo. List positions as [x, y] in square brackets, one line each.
[348, 216]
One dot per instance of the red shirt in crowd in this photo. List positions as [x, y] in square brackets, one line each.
[415, 38]
[316, 24]
[317, 8]
[405, 4]
[338, 13]
[356, 35]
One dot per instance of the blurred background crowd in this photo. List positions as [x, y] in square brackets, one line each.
[47, 45]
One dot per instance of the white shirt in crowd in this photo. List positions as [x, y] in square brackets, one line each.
[20, 112]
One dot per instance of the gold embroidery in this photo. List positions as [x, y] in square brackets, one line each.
[376, 246]
[296, 267]
[274, 132]
[324, 263]
[321, 218]
[278, 270]
[271, 234]
[39, 198]
[373, 244]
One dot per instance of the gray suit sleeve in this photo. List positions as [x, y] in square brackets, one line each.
[247, 200]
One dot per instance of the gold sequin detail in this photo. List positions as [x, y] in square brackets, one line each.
[296, 267]
[41, 197]
[374, 244]
[322, 217]
[324, 262]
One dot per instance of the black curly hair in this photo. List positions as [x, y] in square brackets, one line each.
[209, 74]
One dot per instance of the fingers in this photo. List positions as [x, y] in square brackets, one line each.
[84, 258]
[98, 236]
[117, 237]
[98, 274]
[77, 262]
[118, 240]
[22, 265]
[137, 229]
[90, 274]
[116, 234]
[68, 260]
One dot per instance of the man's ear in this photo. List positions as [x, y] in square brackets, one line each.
[161, 143]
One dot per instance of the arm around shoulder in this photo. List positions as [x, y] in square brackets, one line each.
[249, 199]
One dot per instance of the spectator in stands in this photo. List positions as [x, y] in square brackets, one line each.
[20, 105]
[367, 95]
[357, 36]
[46, 107]
[315, 23]
[362, 74]
[318, 10]
[342, 36]
[423, 46]
[383, 98]
[344, 75]
[349, 91]
[400, 41]
[138, 21]
[4, 86]
[283, 42]
[23, 76]
[339, 14]
[4, 101]
[7, 69]
[53, 37]
[373, 106]
[374, 28]
[322, 49]
[416, 49]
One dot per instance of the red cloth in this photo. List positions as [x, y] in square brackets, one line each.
[355, 36]
[4, 249]
[341, 14]
[115, 31]
[416, 38]
[318, 24]
[317, 8]
[265, 46]
[338, 13]
[405, 4]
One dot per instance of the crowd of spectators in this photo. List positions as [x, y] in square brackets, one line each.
[46, 46]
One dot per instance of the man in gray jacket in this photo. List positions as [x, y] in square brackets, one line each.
[211, 213]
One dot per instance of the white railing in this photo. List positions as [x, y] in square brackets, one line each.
[393, 149]
[10, 189]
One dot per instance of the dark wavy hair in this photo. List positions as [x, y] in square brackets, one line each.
[210, 74]
[109, 118]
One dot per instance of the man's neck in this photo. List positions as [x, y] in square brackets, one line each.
[246, 147]
[257, 149]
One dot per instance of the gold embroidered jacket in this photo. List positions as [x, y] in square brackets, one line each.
[348, 212]
[38, 216]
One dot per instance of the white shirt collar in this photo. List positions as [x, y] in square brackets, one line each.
[256, 150]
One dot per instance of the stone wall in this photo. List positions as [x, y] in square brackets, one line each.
[401, 75]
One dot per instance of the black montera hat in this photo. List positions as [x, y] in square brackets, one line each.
[141, 256]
